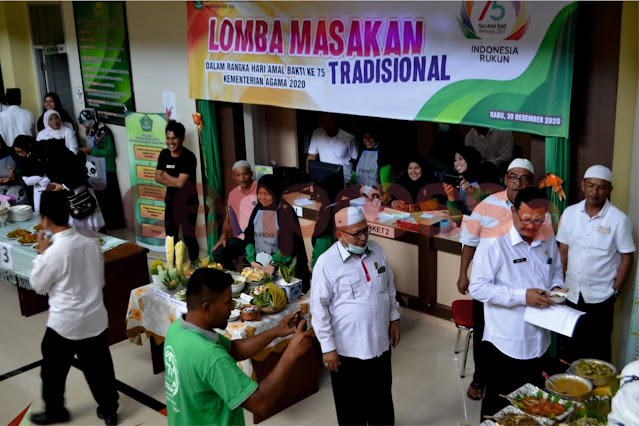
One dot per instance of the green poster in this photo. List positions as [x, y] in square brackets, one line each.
[146, 139]
[103, 44]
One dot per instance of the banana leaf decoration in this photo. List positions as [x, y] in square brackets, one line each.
[197, 120]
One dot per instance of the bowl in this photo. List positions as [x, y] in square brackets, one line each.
[250, 313]
[239, 283]
[558, 297]
[597, 380]
[569, 386]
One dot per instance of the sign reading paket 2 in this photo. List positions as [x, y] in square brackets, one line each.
[103, 44]
[498, 64]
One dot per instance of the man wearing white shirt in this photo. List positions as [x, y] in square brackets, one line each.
[597, 250]
[356, 319]
[71, 272]
[333, 145]
[511, 272]
[15, 121]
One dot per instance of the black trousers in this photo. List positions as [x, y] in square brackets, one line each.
[94, 359]
[225, 255]
[478, 342]
[505, 374]
[591, 338]
[362, 391]
[181, 211]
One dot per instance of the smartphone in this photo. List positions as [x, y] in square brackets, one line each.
[454, 180]
[297, 318]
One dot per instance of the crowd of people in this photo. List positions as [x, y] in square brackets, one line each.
[45, 156]
[506, 233]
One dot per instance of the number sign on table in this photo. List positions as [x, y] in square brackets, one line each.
[6, 259]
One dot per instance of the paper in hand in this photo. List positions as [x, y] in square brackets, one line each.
[558, 318]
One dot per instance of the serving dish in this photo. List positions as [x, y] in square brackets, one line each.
[569, 386]
[594, 370]
[512, 412]
[524, 399]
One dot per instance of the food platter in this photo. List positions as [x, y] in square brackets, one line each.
[511, 415]
[28, 240]
[17, 233]
[532, 400]
[569, 386]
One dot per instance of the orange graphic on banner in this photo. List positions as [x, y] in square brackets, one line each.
[151, 192]
[145, 172]
[153, 231]
[150, 153]
[151, 212]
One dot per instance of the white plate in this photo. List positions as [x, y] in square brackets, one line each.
[235, 315]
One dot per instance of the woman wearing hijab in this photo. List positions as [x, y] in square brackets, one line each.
[52, 167]
[53, 129]
[52, 102]
[413, 180]
[373, 166]
[467, 167]
[100, 143]
[9, 181]
[273, 236]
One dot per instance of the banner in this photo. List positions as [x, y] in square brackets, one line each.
[146, 139]
[498, 64]
[103, 44]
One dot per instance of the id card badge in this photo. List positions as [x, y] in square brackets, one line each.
[603, 230]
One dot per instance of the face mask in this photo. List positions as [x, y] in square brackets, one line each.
[443, 127]
[48, 233]
[356, 249]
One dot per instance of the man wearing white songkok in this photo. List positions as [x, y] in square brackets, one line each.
[356, 319]
[596, 249]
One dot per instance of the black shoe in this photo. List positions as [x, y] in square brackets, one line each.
[45, 418]
[109, 419]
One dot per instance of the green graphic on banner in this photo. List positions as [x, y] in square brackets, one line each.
[103, 44]
[146, 139]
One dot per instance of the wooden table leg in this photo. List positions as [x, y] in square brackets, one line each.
[157, 355]
[31, 303]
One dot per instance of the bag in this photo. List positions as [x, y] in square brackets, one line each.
[82, 205]
[96, 172]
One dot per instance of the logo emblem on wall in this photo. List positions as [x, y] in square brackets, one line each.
[493, 20]
[146, 123]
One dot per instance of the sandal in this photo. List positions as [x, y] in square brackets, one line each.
[475, 391]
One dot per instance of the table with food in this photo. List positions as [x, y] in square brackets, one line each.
[260, 304]
[579, 397]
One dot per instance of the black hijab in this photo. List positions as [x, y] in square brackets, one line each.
[64, 115]
[413, 186]
[273, 185]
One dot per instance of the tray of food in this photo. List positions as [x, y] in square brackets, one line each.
[513, 416]
[593, 412]
[269, 298]
[532, 400]
[252, 275]
[17, 233]
[599, 372]
[28, 239]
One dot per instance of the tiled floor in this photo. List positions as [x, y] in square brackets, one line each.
[426, 385]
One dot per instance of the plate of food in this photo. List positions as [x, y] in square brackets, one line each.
[180, 295]
[534, 401]
[235, 315]
[252, 275]
[269, 298]
[558, 296]
[17, 233]
[569, 386]
[513, 416]
[37, 228]
[599, 372]
[28, 239]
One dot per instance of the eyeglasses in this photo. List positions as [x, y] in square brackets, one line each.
[534, 220]
[359, 234]
[522, 179]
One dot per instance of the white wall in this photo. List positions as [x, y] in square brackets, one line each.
[158, 49]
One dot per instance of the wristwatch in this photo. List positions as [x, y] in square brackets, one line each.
[617, 293]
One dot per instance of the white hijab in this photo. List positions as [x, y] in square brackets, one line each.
[49, 132]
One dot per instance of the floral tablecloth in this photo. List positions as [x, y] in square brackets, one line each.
[152, 309]
[16, 260]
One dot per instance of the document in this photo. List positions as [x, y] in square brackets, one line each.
[558, 318]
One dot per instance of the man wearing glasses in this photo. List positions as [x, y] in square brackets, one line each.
[356, 319]
[597, 251]
[510, 272]
[490, 219]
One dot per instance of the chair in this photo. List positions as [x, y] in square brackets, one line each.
[463, 317]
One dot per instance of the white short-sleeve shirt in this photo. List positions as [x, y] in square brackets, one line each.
[595, 245]
[339, 149]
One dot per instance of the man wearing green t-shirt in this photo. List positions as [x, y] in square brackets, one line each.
[203, 383]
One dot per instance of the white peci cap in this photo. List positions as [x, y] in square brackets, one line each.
[241, 163]
[598, 172]
[349, 216]
[521, 163]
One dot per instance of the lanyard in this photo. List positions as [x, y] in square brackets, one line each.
[368, 278]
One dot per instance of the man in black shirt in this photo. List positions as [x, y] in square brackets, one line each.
[176, 170]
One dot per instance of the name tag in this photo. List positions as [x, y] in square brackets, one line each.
[523, 259]
[170, 166]
[604, 230]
